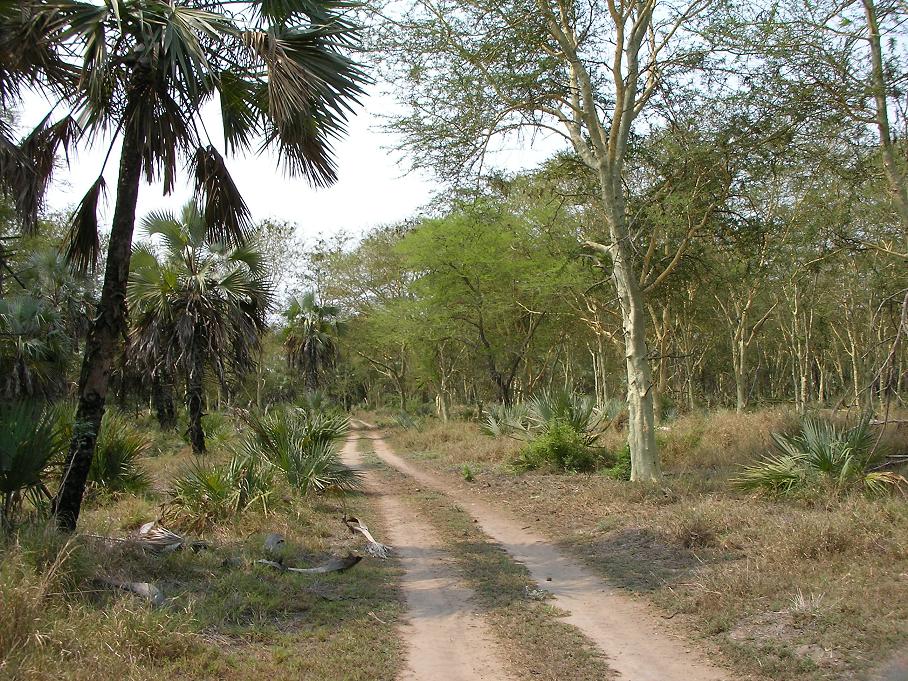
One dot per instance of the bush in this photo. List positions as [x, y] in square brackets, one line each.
[621, 468]
[115, 465]
[559, 448]
[577, 412]
[211, 492]
[822, 456]
[303, 446]
[31, 440]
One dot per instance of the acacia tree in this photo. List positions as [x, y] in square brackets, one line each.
[586, 71]
[142, 70]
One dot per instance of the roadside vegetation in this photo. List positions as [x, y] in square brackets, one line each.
[219, 614]
[799, 582]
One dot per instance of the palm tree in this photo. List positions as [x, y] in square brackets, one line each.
[310, 337]
[34, 348]
[142, 70]
[200, 304]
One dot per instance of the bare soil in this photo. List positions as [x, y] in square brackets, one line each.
[445, 638]
[638, 643]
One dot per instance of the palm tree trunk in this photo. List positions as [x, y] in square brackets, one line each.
[104, 336]
[194, 399]
[162, 397]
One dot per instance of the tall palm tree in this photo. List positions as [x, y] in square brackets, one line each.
[200, 304]
[142, 70]
[310, 337]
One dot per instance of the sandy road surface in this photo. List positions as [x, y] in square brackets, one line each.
[446, 640]
[639, 645]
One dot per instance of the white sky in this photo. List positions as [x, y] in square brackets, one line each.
[373, 186]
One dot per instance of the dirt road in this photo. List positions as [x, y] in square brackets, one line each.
[639, 645]
[445, 639]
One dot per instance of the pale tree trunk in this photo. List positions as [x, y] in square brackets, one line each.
[640, 408]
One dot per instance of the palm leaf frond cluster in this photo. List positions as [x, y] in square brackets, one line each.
[303, 446]
[280, 71]
[540, 413]
[821, 455]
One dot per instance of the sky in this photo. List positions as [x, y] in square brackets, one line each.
[374, 186]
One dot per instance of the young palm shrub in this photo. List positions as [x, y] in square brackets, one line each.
[511, 421]
[209, 492]
[820, 455]
[31, 440]
[577, 412]
[303, 446]
[116, 466]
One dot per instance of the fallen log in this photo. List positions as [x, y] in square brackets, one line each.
[333, 565]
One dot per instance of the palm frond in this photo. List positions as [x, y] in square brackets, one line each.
[225, 212]
[83, 242]
[27, 182]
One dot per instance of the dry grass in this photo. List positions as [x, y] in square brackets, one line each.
[457, 443]
[224, 617]
[728, 566]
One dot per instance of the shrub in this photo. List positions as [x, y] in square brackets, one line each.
[303, 446]
[560, 448]
[214, 492]
[115, 466]
[577, 412]
[621, 468]
[31, 440]
[501, 420]
[821, 455]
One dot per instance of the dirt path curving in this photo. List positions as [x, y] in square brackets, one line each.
[638, 643]
[446, 639]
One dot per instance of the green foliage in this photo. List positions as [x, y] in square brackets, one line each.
[621, 468]
[467, 473]
[210, 492]
[821, 456]
[310, 337]
[559, 447]
[34, 348]
[115, 466]
[503, 420]
[303, 446]
[577, 412]
[561, 428]
[31, 440]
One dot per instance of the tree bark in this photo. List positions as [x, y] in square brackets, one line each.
[641, 435]
[103, 338]
[162, 398]
[194, 388]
